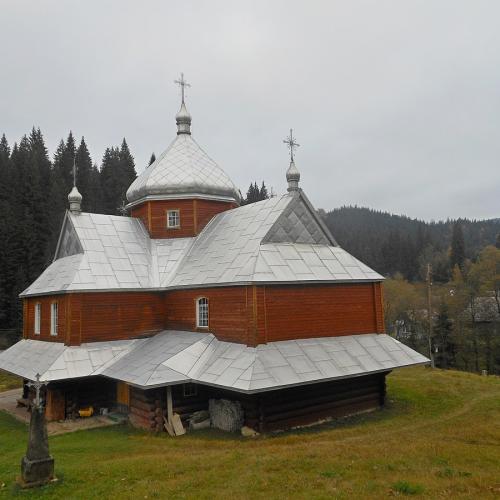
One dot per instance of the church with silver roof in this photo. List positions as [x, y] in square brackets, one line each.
[192, 299]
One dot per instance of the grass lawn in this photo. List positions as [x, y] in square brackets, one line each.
[439, 437]
[9, 382]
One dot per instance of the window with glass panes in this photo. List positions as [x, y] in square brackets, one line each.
[202, 312]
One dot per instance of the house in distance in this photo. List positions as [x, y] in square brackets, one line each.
[194, 298]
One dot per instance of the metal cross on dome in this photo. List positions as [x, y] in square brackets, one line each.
[291, 143]
[37, 386]
[182, 84]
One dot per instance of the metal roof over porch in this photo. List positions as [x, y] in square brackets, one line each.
[175, 357]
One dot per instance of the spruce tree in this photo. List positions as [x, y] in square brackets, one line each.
[152, 159]
[497, 244]
[61, 185]
[7, 222]
[84, 176]
[117, 173]
[457, 253]
[263, 194]
[443, 330]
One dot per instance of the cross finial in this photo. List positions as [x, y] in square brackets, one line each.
[291, 143]
[74, 171]
[182, 84]
[37, 386]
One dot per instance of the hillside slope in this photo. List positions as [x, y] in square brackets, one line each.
[390, 243]
[438, 438]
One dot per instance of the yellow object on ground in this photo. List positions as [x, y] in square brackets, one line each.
[86, 412]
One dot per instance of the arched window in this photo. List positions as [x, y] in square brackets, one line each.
[202, 312]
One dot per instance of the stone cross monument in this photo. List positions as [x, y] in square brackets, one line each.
[37, 466]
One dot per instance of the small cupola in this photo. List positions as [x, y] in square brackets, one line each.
[178, 194]
[292, 174]
[74, 197]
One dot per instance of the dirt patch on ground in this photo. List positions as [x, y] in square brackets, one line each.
[8, 403]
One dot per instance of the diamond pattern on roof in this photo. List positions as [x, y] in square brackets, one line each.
[184, 168]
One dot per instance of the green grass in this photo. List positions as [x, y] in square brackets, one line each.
[439, 437]
[9, 382]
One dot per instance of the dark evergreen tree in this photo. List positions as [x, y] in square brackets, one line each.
[457, 252]
[7, 222]
[117, 173]
[255, 194]
[95, 204]
[61, 185]
[152, 159]
[497, 243]
[84, 176]
[263, 194]
[443, 339]
[110, 173]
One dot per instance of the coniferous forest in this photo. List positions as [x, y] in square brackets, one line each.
[33, 198]
[464, 255]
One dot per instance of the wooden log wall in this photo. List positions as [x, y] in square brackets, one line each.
[195, 214]
[307, 404]
[148, 408]
[245, 314]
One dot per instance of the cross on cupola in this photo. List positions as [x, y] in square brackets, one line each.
[292, 174]
[183, 118]
[291, 143]
[182, 84]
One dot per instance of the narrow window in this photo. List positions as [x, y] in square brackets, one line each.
[202, 312]
[53, 318]
[190, 390]
[173, 219]
[38, 317]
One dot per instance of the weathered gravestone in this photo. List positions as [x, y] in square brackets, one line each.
[37, 466]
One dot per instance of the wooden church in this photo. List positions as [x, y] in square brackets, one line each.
[194, 298]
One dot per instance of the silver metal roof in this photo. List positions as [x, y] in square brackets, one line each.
[280, 240]
[183, 169]
[56, 361]
[173, 357]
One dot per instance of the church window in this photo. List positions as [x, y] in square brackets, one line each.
[53, 318]
[202, 312]
[173, 219]
[38, 317]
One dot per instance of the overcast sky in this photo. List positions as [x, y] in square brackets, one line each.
[396, 104]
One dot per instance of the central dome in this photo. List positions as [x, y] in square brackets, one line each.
[183, 170]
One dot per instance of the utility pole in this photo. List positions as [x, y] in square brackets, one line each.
[429, 311]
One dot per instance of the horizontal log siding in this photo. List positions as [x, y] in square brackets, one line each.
[141, 212]
[117, 316]
[307, 404]
[246, 314]
[207, 209]
[29, 318]
[194, 216]
[307, 311]
[227, 317]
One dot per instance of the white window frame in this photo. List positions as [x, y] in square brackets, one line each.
[38, 318]
[202, 312]
[173, 218]
[54, 316]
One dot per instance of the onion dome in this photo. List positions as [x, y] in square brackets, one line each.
[184, 170]
[293, 177]
[75, 200]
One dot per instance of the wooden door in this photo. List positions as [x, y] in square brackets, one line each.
[55, 404]
[123, 393]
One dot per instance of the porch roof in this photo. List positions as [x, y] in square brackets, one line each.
[174, 357]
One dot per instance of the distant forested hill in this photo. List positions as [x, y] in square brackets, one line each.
[394, 243]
